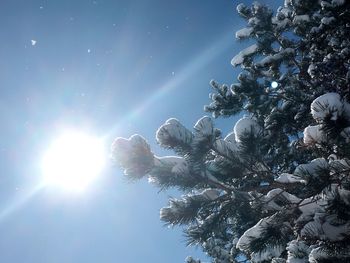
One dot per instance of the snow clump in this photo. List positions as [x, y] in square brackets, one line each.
[327, 105]
[134, 155]
[314, 134]
[239, 58]
[245, 126]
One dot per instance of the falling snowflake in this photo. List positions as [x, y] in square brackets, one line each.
[33, 42]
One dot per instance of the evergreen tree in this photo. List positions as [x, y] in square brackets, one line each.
[277, 188]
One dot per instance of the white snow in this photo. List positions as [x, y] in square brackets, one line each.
[325, 4]
[300, 19]
[267, 254]
[173, 131]
[319, 254]
[185, 200]
[327, 105]
[285, 10]
[286, 178]
[210, 194]
[281, 24]
[333, 231]
[312, 229]
[314, 134]
[191, 260]
[254, 233]
[270, 199]
[230, 137]
[168, 166]
[173, 121]
[254, 21]
[240, 7]
[244, 32]
[315, 30]
[338, 2]
[344, 195]
[128, 152]
[138, 140]
[181, 168]
[122, 148]
[225, 148]
[321, 228]
[327, 20]
[309, 207]
[168, 161]
[276, 57]
[246, 125]
[298, 251]
[204, 127]
[316, 254]
[291, 198]
[311, 168]
[339, 165]
[312, 68]
[165, 211]
[239, 58]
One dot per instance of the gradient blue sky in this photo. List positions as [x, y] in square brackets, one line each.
[112, 68]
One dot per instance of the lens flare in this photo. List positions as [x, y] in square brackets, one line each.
[274, 84]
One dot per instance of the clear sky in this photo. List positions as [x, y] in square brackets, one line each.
[114, 68]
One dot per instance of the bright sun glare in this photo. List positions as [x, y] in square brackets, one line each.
[73, 160]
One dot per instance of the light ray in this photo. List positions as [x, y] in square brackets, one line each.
[191, 68]
[19, 201]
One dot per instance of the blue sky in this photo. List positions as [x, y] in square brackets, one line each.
[114, 68]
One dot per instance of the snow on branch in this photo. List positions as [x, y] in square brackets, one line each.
[204, 129]
[174, 135]
[255, 233]
[313, 135]
[184, 210]
[328, 105]
[191, 260]
[314, 168]
[244, 32]
[298, 251]
[246, 125]
[134, 155]
[324, 253]
[241, 191]
[241, 56]
[301, 19]
[275, 198]
[276, 58]
[172, 171]
[286, 178]
[325, 227]
[226, 148]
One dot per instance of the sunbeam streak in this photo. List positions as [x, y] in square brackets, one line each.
[191, 68]
[19, 202]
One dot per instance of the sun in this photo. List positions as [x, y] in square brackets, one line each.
[73, 160]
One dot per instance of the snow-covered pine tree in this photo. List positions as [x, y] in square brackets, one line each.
[277, 188]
